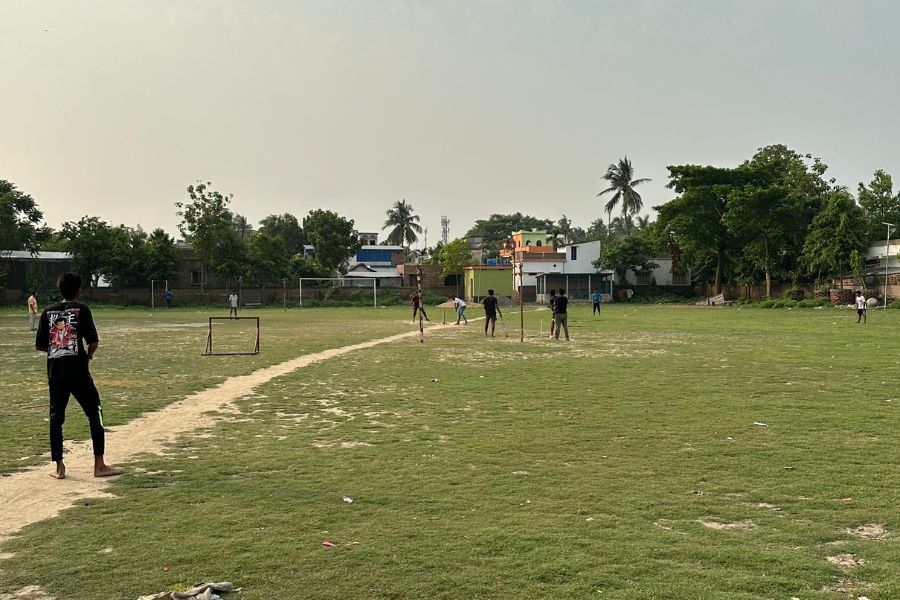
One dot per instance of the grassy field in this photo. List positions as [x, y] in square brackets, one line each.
[665, 452]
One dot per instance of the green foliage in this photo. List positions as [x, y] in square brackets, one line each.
[694, 219]
[597, 231]
[90, 241]
[208, 224]
[287, 227]
[626, 254]
[268, 258]
[454, 256]
[404, 224]
[496, 229]
[306, 266]
[19, 218]
[880, 204]
[620, 177]
[837, 239]
[162, 256]
[432, 299]
[334, 238]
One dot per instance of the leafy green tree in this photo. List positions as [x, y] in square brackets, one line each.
[287, 227]
[801, 179]
[620, 177]
[694, 219]
[207, 223]
[404, 224]
[126, 262]
[269, 259]
[306, 266]
[564, 227]
[836, 234]
[597, 231]
[626, 254]
[334, 238]
[497, 228]
[19, 219]
[880, 204]
[454, 256]
[578, 235]
[435, 254]
[242, 226]
[757, 215]
[162, 256]
[91, 243]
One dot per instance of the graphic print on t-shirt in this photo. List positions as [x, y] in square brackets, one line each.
[63, 333]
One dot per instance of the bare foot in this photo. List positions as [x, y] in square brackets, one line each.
[106, 471]
[60, 472]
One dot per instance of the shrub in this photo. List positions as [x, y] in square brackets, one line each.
[766, 303]
[794, 294]
[432, 299]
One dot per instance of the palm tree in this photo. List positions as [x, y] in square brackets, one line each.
[405, 224]
[621, 185]
[642, 222]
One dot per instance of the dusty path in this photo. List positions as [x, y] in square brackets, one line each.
[31, 496]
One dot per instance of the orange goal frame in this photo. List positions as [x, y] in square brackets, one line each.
[209, 337]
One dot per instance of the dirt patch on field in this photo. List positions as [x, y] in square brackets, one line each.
[744, 525]
[30, 592]
[845, 561]
[872, 531]
[31, 496]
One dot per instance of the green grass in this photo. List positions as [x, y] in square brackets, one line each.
[543, 470]
[148, 359]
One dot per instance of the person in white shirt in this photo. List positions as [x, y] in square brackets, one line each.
[460, 310]
[860, 307]
[233, 304]
[32, 310]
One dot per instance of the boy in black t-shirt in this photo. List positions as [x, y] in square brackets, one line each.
[64, 330]
[560, 314]
[491, 310]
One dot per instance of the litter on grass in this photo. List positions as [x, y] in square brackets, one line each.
[760, 424]
[348, 499]
[206, 591]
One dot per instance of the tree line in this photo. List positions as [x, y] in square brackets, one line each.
[774, 217]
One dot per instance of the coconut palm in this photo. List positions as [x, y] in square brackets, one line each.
[405, 224]
[622, 183]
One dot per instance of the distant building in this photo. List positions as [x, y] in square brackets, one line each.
[663, 275]
[45, 266]
[480, 278]
[379, 262]
[576, 274]
[368, 239]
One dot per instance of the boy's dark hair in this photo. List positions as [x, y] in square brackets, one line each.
[68, 284]
[490, 292]
[562, 292]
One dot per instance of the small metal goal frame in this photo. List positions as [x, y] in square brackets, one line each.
[209, 337]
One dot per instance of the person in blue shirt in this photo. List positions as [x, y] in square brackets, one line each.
[595, 298]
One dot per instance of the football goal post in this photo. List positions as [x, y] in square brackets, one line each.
[359, 283]
[232, 336]
[158, 289]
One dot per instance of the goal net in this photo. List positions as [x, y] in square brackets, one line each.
[232, 336]
[158, 289]
[315, 286]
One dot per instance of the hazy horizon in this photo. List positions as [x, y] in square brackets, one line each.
[462, 109]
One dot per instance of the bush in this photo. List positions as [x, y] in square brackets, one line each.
[766, 303]
[794, 294]
[432, 299]
[815, 303]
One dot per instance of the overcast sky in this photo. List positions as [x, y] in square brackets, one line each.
[462, 108]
